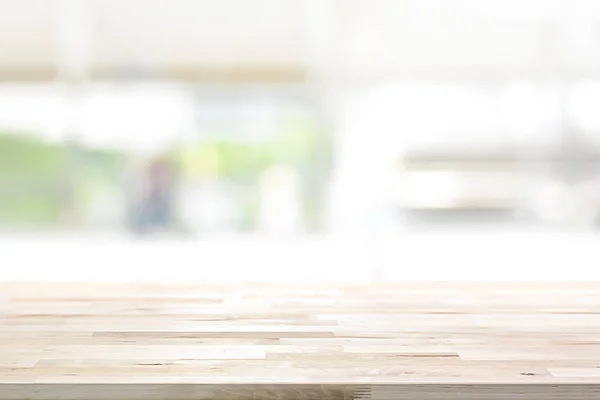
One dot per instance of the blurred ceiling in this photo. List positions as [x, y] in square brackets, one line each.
[293, 40]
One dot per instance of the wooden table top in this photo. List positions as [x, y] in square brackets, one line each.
[305, 334]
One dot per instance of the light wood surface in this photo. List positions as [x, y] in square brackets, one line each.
[202, 339]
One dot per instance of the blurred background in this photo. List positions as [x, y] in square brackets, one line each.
[387, 135]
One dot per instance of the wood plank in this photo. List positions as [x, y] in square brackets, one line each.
[260, 340]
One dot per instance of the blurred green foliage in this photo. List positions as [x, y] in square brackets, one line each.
[40, 179]
[27, 156]
[36, 175]
[295, 144]
[30, 175]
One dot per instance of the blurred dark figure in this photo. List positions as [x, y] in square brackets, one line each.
[155, 207]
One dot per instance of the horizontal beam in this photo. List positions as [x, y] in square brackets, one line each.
[180, 73]
[294, 74]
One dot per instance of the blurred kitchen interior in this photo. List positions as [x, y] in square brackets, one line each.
[285, 117]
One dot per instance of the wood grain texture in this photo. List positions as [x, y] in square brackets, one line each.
[59, 340]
